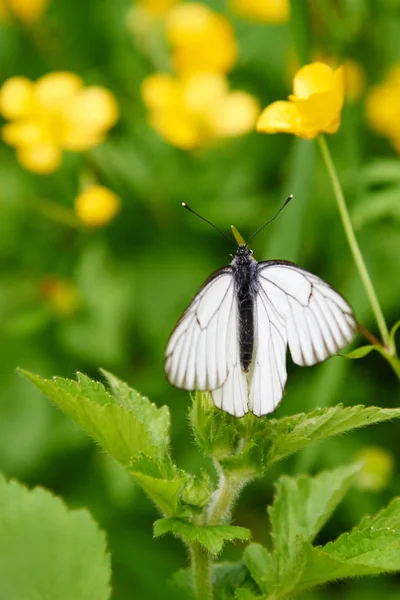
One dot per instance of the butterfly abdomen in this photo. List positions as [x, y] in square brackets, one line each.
[246, 287]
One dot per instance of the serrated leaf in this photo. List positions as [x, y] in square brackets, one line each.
[276, 574]
[123, 431]
[375, 542]
[371, 548]
[47, 550]
[229, 577]
[164, 492]
[291, 434]
[211, 537]
[214, 430]
[127, 425]
[260, 564]
[360, 352]
[303, 504]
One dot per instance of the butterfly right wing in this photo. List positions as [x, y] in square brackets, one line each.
[198, 354]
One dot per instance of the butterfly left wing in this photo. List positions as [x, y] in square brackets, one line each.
[196, 354]
[203, 350]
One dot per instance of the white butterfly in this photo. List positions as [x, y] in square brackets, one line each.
[232, 339]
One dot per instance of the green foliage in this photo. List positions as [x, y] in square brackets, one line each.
[360, 352]
[211, 537]
[301, 507]
[47, 550]
[127, 425]
[136, 433]
[257, 443]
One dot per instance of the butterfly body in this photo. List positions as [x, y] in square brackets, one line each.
[246, 287]
[233, 338]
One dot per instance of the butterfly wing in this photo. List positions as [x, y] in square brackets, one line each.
[297, 308]
[197, 352]
[268, 369]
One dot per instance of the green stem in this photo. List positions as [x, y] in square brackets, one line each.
[201, 563]
[393, 360]
[224, 497]
[354, 247]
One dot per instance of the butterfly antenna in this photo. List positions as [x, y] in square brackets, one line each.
[270, 220]
[206, 220]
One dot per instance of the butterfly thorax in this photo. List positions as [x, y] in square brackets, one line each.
[245, 275]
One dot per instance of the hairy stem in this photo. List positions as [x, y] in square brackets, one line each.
[223, 499]
[352, 241]
[201, 571]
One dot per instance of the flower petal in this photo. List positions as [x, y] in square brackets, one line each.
[201, 40]
[97, 205]
[313, 78]
[25, 133]
[279, 117]
[179, 128]
[55, 91]
[40, 158]
[92, 110]
[202, 91]
[234, 115]
[16, 98]
[319, 113]
[160, 91]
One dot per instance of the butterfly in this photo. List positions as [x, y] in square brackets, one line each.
[232, 339]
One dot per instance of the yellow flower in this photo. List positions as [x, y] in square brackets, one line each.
[383, 107]
[314, 107]
[53, 114]
[377, 468]
[201, 39]
[193, 111]
[27, 11]
[266, 11]
[96, 206]
[61, 294]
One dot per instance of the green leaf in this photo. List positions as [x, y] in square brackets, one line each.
[291, 434]
[371, 548]
[211, 537]
[182, 580]
[303, 504]
[270, 440]
[301, 507]
[393, 332]
[377, 205]
[380, 171]
[359, 352]
[260, 564]
[243, 594]
[164, 492]
[276, 575]
[124, 431]
[214, 430]
[47, 550]
[229, 577]
[127, 425]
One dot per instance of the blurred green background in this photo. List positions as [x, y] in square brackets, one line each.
[127, 283]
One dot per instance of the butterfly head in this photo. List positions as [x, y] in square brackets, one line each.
[243, 253]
